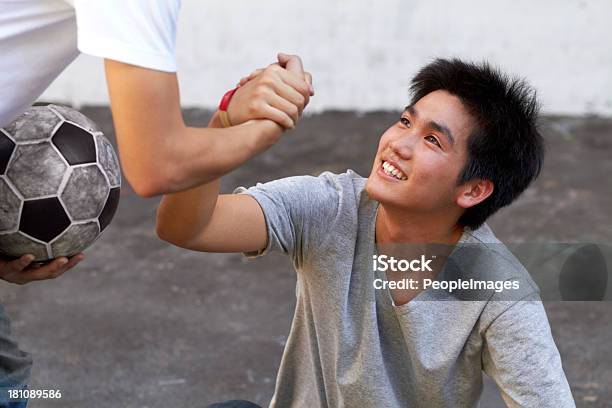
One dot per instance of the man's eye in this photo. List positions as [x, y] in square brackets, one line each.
[433, 140]
[405, 122]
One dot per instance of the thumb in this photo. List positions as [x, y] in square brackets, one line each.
[291, 63]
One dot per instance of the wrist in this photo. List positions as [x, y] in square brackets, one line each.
[215, 121]
[266, 133]
[224, 117]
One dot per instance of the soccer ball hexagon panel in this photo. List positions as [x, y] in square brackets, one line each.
[85, 193]
[60, 183]
[36, 169]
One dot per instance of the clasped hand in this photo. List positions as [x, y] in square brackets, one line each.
[279, 93]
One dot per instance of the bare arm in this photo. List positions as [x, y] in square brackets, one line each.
[202, 220]
[160, 154]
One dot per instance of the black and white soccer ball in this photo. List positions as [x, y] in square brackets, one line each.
[59, 183]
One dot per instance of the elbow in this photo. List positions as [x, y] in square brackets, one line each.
[168, 231]
[167, 235]
[152, 182]
[163, 233]
[146, 189]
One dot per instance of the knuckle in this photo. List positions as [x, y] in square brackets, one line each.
[271, 70]
[252, 106]
[258, 92]
[266, 80]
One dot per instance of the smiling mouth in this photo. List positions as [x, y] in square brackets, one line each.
[392, 171]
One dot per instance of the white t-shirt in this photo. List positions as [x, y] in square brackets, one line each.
[39, 38]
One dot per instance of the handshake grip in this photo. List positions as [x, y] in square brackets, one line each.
[279, 93]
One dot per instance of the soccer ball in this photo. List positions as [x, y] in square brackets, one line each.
[59, 183]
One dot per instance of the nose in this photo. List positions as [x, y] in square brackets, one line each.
[403, 146]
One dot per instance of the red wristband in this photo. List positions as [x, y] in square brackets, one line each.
[225, 101]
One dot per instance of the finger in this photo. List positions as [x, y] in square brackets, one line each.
[50, 270]
[291, 63]
[291, 94]
[284, 105]
[74, 260]
[20, 264]
[296, 82]
[278, 116]
[308, 79]
[255, 73]
[252, 75]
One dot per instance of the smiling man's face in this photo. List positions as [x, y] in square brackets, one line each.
[419, 158]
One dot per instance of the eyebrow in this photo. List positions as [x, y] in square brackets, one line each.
[433, 125]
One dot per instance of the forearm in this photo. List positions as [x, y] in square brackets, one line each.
[159, 153]
[224, 150]
[181, 216]
[186, 157]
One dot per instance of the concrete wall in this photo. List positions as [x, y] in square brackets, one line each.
[363, 53]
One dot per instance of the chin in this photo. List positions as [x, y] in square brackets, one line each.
[375, 190]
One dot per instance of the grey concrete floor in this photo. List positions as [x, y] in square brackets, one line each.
[143, 324]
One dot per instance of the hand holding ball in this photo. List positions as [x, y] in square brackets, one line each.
[59, 183]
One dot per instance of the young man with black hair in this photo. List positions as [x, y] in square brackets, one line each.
[466, 146]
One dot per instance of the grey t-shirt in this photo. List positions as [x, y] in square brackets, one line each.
[350, 346]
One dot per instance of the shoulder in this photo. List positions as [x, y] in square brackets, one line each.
[347, 182]
[327, 194]
[327, 184]
[481, 257]
[493, 258]
[136, 32]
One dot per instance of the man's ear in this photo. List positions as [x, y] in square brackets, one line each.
[474, 192]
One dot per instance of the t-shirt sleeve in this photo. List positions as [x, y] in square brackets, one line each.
[137, 32]
[522, 358]
[296, 210]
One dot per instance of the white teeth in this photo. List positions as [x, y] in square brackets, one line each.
[392, 171]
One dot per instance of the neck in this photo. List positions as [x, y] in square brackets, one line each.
[401, 226]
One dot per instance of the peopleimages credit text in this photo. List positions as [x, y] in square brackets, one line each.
[384, 263]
